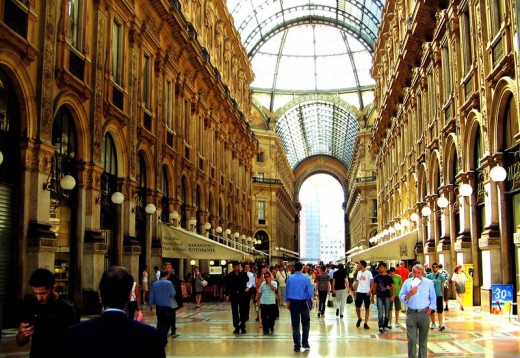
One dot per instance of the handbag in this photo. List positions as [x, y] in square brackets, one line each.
[203, 282]
[140, 316]
[350, 299]
[174, 303]
[460, 287]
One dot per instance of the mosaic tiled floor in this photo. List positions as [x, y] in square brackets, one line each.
[207, 332]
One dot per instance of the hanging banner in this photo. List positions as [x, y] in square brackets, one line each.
[180, 243]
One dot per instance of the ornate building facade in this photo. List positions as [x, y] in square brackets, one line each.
[275, 216]
[115, 117]
[446, 136]
[361, 204]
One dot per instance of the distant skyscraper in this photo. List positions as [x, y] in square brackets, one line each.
[322, 223]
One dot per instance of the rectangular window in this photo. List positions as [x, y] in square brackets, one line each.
[466, 41]
[187, 112]
[117, 53]
[16, 17]
[261, 212]
[169, 105]
[431, 96]
[75, 23]
[419, 116]
[212, 146]
[497, 16]
[147, 82]
[260, 157]
[200, 133]
[445, 59]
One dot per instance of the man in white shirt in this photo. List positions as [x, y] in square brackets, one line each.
[251, 285]
[363, 289]
[281, 278]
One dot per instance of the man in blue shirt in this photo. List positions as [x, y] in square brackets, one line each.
[418, 293]
[161, 294]
[299, 296]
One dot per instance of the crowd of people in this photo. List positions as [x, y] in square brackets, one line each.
[51, 322]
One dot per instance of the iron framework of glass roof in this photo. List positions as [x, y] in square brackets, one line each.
[311, 46]
[315, 128]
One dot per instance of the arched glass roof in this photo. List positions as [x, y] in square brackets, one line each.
[315, 128]
[311, 46]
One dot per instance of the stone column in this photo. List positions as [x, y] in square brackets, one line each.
[93, 266]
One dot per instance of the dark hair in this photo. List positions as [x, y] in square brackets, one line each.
[392, 269]
[235, 263]
[298, 266]
[341, 267]
[381, 264]
[163, 274]
[42, 278]
[115, 286]
[363, 263]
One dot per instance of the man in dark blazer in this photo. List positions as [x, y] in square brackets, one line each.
[238, 293]
[113, 334]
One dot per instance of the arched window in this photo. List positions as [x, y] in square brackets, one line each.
[510, 127]
[264, 241]
[62, 205]
[108, 182]
[142, 185]
[165, 213]
[64, 159]
[9, 130]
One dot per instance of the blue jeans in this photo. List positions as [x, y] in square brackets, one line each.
[417, 326]
[383, 309]
[300, 311]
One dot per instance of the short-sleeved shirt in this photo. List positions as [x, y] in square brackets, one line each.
[398, 283]
[364, 280]
[323, 281]
[383, 285]
[446, 275]
[438, 281]
[339, 279]
[268, 295]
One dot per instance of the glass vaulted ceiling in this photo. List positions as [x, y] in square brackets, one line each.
[311, 47]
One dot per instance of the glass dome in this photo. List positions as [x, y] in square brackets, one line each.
[305, 47]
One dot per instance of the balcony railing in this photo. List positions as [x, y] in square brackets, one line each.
[267, 181]
[366, 179]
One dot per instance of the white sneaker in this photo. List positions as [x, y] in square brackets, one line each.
[432, 326]
[396, 325]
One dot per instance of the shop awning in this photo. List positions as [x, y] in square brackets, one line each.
[399, 248]
[180, 243]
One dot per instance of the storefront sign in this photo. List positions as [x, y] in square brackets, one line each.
[180, 243]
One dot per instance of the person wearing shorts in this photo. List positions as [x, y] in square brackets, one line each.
[438, 281]
[363, 289]
[398, 282]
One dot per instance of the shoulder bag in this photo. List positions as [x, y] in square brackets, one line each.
[203, 282]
